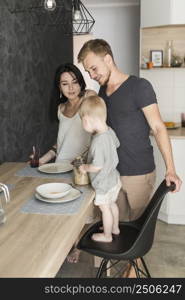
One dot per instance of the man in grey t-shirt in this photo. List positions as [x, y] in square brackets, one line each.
[132, 111]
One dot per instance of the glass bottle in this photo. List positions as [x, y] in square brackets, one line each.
[169, 53]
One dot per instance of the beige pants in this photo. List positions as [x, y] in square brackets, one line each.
[135, 195]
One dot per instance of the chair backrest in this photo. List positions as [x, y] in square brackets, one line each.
[147, 221]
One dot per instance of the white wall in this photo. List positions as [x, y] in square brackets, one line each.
[118, 24]
[78, 41]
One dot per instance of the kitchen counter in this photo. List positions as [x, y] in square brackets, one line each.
[178, 133]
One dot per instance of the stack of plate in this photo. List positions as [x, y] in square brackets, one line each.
[56, 192]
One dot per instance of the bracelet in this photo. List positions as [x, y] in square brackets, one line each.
[54, 149]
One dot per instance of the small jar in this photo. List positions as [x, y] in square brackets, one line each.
[176, 61]
[79, 178]
[150, 64]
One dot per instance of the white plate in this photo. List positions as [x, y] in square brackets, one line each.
[53, 190]
[52, 168]
[72, 195]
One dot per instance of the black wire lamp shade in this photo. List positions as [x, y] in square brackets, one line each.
[82, 19]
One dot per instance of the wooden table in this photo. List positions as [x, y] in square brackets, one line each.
[35, 245]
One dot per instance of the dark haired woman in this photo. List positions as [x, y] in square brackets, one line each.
[72, 139]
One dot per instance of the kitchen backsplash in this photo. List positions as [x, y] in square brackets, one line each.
[156, 39]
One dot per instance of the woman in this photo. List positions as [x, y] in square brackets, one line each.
[72, 139]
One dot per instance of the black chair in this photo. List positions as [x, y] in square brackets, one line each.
[134, 241]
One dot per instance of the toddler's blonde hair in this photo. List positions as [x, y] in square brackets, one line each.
[93, 106]
[89, 92]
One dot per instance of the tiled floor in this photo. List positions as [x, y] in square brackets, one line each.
[167, 256]
[165, 259]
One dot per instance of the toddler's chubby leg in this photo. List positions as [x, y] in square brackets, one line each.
[115, 214]
[106, 235]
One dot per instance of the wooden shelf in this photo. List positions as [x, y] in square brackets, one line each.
[162, 68]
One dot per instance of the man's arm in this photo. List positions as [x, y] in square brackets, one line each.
[155, 122]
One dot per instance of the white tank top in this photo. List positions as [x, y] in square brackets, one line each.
[72, 139]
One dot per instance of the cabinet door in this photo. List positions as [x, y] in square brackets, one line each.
[162, 12]
[178, 12]
[155, 13]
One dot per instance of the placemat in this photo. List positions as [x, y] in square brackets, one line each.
[34, 172]
[34, 206]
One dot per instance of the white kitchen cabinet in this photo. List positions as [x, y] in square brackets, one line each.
[173, 207]
[162, 12]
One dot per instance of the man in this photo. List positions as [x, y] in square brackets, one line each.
[132, 111]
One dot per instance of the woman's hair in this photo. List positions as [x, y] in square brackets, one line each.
[93, 106]
[97, 46]
[57, 96]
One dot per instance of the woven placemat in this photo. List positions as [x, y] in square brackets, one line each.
[34, 172]
[34, 206]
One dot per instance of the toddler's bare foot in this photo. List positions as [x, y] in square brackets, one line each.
[100, 237]
[73, 256]
[116, 231]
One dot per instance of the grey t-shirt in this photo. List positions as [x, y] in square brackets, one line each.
[126, 118]
[103, 153]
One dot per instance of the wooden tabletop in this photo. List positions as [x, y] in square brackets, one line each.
[35, 245]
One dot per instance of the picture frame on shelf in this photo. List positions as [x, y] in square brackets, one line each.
[156, 56]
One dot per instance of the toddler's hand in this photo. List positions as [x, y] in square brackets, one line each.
[82, 169]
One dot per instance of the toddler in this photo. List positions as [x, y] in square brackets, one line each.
[101, 164]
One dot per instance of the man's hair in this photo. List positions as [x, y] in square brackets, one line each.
[93, 106]
[97, 46]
